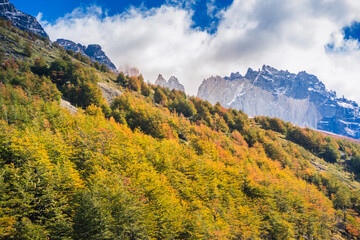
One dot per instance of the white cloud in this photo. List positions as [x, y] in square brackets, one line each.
[211, 7]
[284, 34]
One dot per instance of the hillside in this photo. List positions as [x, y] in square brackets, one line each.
[155, 163]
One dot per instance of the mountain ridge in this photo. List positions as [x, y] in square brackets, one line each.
[93, 51]
[285, 92]
[20, 20]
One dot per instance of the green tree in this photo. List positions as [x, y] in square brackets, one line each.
[122, 80]
[104, 68]
[78, 56]
[27, 49]
[159, 96]
[97, 65]
[277, 125]
[355, 161]
[183, 106]
[331, 152]
[40, 67]
[145, 89]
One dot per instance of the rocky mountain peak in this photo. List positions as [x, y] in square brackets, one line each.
[93, 51]
[234, 76]
[70, 45]
[269, 69]
[94, 47]
[173, 80]
[299, 98]
[160, 81]
[172, 83]
[19, 19]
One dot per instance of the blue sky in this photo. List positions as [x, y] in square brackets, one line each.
[203, 17]
[352, 31]
[195, 39]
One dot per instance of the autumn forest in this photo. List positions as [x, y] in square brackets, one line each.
[155, 163]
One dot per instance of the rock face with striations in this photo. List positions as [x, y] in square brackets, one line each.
[70, 45]
[19, 19]
[93, 51]
[299, 98]
[172, 83]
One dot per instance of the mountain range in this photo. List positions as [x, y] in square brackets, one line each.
[299, 98]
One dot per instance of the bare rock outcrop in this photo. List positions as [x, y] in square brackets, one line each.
[72, 109]
[172, 83]
[109, 92]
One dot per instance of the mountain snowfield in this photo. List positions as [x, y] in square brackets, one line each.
[298, 98]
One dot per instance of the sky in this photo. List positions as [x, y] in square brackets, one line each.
[196, 39]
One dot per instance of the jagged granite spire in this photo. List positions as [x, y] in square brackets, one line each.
[172, 83]
[95, 53]
[19, 19]
[160, 81]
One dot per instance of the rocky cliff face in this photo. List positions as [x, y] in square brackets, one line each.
[93, 51]
[19, 19]
[172, 83]
[299, 98]
[70, 45]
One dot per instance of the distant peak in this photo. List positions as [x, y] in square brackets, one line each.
[130, 71]
[62, 39]
[161, 81]
[173, 79]
[269, 69]
[94, 46]
[172, 83]
[234, 76]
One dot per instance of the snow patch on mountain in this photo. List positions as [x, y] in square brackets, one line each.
[299, 98]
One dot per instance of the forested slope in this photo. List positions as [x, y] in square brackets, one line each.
[156, 164]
